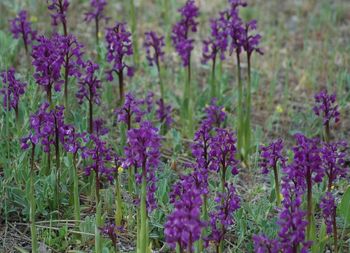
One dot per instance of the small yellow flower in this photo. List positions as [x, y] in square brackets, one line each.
[332, 187]
[33, 19]
[279, 108]
[281, 196]
[120, 169]
[223, 109]
[99, 35]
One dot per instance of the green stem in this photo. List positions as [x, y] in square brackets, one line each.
[143, 213]
[239, 107]
[76, 192]
[213, 81]
[118, 202]
[133, 31]
[277, 186]
[247, 126]
[32, 205]
[161, 85]
[98, 223]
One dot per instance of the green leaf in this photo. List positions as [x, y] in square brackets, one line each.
[345, 206]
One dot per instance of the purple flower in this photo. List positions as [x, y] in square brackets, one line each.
[216, 44]
[223, 151]
[48, 60]
[72, 140]
[149, 101]
[214, 114]
[307, 161]
[271, 156]
[89, 84]
[59, 10]
[251, 42]
[333, 161]
[180, 32]
[100, 157]
[163, 113]
[222, 217]
[184, 225]
[97, 11]
[130, 110]
[20, 26]
[119, 46]
[328, 208]
[12, 89]
[99, 128]
[143, 152]
[71, 49]
[262, 244]
[326, 107]
[154, 48]
[201, 146]
[292, 220]
[112, 232]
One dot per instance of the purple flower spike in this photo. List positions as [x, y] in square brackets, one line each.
[12, 89]
[328, 208]
[326, 107]
[72, 140]
[251, 42]
[119, 46]
[72, 51]
[180, 33]
[222, 217]
[112, 232]
[223, 151]
[99, 127]
[149, 101]
[130, 111]
[218, 42]
[184, 225]
[271, 156]
[59, 10]
[215, 114]
[89, 84]
[48, 60]
[262, 244]
[154, 45]
[163, 113]
[100, 157]
[20, 26]
[143, 152]
[292, 220]
[97, 11]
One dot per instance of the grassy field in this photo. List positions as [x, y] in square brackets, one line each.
[306, 47]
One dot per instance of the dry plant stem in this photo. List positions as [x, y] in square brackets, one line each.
[32, 204]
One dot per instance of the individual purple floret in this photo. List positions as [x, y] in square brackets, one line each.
[143, 153]
[71, 50]
[96, 14]
[12, 89]
[292, 222]
[48, 60]
[328, 208]
[184, 225]
[21, 27]
[119, 46]
[222, 217]
[154, 45]
[59, 10]
[263, 244]
[181, 31]
[130, 111]
[163, 113]
[73, 141]
[223, 151]
[326, 107]
[218, 42]
[215, 115]
[89, 89]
